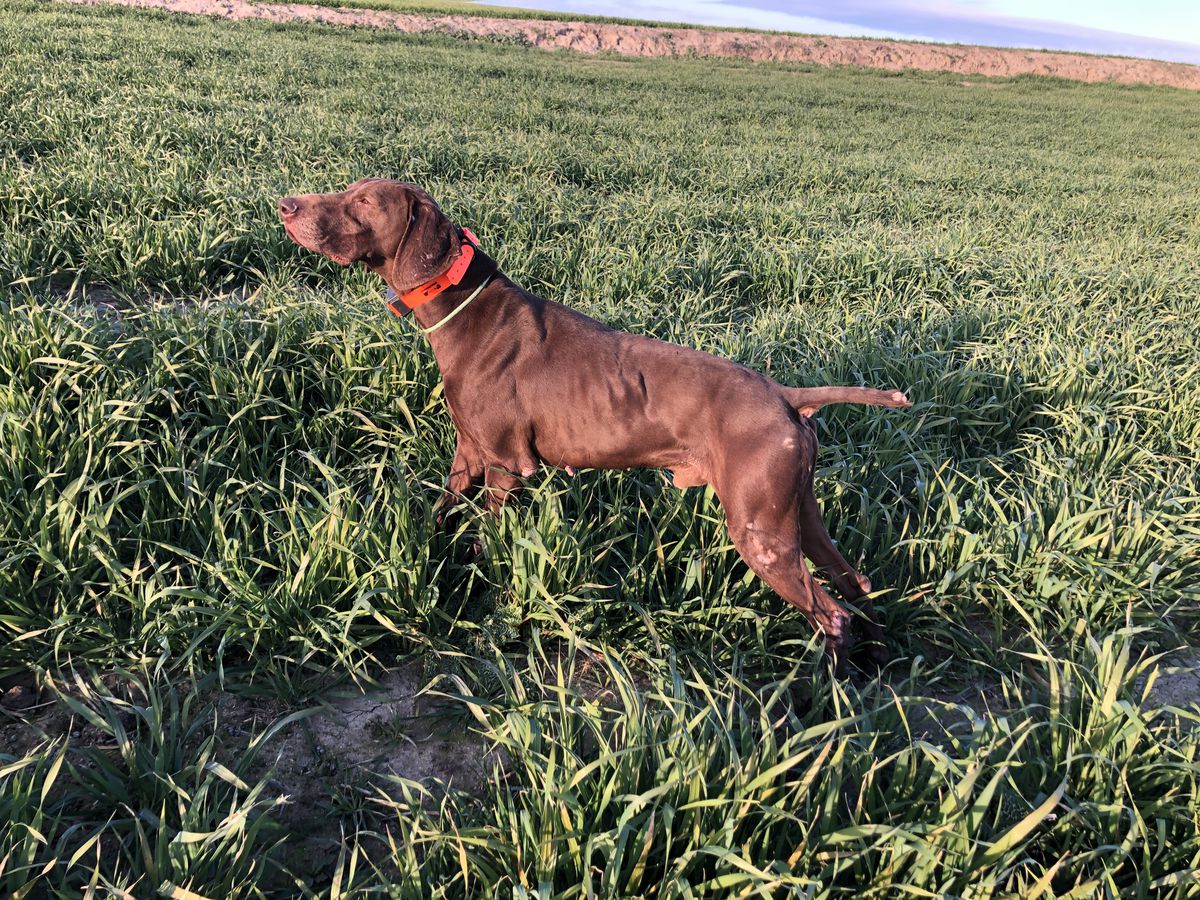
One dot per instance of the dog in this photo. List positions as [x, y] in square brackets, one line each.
[529, 381]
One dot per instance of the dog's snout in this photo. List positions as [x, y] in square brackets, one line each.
[288, 207]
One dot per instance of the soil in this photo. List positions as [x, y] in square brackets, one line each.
[340, 763]
[1178, 682]
[648, 40]
[343, 763]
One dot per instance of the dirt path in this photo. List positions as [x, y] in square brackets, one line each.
[644, 40]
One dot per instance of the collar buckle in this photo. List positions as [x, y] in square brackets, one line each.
[423, 293]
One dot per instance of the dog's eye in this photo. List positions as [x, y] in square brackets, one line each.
[364, 201]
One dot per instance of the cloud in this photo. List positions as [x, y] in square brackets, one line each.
[712, 12]
[948, 21]
[982, 23]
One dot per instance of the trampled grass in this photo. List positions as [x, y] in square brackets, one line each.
[219, 455]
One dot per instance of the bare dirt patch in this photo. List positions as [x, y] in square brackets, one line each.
[337, 766]
[1178, 682]
[377, 733]
[343, 762]
[647, 40]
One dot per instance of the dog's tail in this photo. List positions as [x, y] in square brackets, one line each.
[808, 400]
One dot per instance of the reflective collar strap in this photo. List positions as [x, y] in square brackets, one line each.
[475, 293]
[424, 293]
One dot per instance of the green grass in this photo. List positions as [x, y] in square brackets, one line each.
[229, 480]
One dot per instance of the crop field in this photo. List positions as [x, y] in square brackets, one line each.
[219, 456]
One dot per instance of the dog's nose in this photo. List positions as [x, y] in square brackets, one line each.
[288, 207]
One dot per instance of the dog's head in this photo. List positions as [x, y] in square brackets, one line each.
[391, 227]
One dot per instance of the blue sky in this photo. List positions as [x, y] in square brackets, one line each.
[1161, 29]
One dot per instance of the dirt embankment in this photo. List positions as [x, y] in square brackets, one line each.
[646, 40]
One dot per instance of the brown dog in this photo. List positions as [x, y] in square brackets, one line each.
[529, 381]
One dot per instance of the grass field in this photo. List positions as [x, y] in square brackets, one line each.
[219, 455]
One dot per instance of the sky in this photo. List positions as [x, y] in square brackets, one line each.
[1159, 29]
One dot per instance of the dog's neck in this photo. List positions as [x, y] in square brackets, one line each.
[468, 320]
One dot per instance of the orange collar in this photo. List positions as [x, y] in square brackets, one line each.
[424, 293]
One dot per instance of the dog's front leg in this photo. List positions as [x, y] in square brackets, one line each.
[501, 484]
[465, 479]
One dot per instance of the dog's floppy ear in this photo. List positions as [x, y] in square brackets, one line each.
[429, 246]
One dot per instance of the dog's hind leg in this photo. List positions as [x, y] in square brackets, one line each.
[761, 510]
[779, 562]
[818, 547]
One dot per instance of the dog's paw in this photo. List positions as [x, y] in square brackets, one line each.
[872, 653]
[838, 642]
